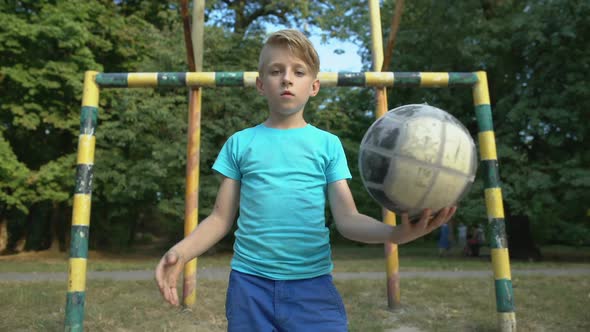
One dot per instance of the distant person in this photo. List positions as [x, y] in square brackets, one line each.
[279, 175]
[481, 235]
[461, 235]
[444, 241]
[473, 242]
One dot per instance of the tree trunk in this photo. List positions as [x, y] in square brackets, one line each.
[20, 244]
[14, 231]
[521, 244]
[132, 229]
[241, 22]
[489, 7]
[57, 228]
[37, 228]
[3, 235]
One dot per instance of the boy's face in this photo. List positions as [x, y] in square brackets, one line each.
[286, 81]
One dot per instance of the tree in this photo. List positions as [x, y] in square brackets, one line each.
[241, 15]
[532, 51]
[45, 47]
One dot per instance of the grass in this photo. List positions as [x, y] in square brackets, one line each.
[412, 257]
[110, 306]
[543, 304]
[466, 304]
[420, 257]
[97, 261]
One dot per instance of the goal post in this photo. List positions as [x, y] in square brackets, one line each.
[94, 81]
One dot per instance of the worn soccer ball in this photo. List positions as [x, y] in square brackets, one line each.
[416, 157]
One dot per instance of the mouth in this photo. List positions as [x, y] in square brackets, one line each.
[287, 93]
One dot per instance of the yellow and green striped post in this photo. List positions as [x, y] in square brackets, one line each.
[248, 79]
[494, 206]
[76, 295]
[477, 80]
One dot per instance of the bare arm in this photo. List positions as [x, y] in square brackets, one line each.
[213, 228]
[209, 232]
[359, 227]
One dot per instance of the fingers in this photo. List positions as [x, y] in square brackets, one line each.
[430, 222]
[451, 213]
[440, 218]
[426, 224]
[167, 273]
[160, 280]
[405, 218]
[447, 213]
[171, 294]
[174, 295]
[443, 216]
[424, 218]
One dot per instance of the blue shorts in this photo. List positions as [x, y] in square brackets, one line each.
[263, 305]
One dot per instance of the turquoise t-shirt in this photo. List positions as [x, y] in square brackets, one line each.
[284, 174]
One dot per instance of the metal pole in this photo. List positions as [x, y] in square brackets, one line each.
[395, 22]
[194, 44]
[494, 206]
[391, 253]
[76, 296]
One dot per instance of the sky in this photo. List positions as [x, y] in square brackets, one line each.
[330, 61]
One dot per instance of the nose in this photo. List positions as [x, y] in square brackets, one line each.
[287, 78]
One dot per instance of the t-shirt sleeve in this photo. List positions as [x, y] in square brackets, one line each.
[338, 167]
[227, 160]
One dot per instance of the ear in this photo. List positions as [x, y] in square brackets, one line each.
[315, 88]
[259, 85]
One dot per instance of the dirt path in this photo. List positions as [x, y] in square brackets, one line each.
[223, 273]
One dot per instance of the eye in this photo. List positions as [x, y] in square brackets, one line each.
[275, 72]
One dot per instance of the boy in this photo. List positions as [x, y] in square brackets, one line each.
[279, 174]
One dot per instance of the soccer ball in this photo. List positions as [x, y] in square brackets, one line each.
[416, 157]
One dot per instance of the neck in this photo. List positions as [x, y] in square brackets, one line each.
[280, 121]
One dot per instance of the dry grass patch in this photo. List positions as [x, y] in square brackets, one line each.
[424, 257]
[110, 306]
[543, 304]
[347, 258]
[52, 261]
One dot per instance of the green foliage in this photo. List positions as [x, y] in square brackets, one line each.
[534, 54]
[45, 47]
[533, 51]
[250, 16]
[540, 117]
[141, 139]
[13, 179]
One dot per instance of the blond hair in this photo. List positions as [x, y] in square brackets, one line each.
[297, 43]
